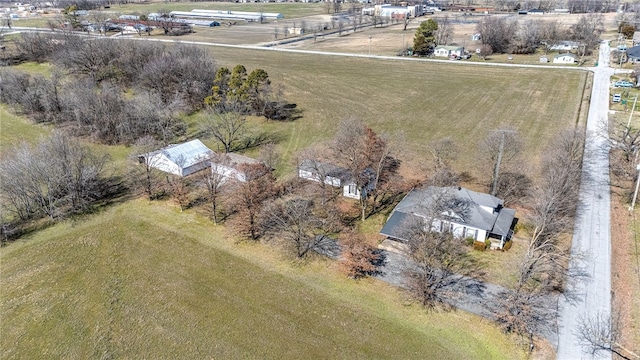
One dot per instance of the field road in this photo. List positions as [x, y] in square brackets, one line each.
[591, 246]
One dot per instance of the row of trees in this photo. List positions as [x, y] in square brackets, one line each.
[507, 35]
[55, 178]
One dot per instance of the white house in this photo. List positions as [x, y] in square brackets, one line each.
[179, 159]
[229, 165]
[448, 51]
[565, 46]
[565, 58]
[331, 175]
[463, 212]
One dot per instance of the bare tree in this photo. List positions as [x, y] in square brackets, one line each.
[526, 308]
[297, 224]
[146, 176]
[367, 157]
[443, 152]
[624, 140]
[499, 150]
[56, 178]
[213, 180]
[528, 37]
[227, 125]
[552, 32]
[587, 31]
[602, 333]
[497, 32]
[485, 50]
[248, 197]
[444, 32]
[442, 269]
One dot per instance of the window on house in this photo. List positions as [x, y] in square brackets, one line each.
[352, 189]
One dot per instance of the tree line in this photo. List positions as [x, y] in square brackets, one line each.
[501, 34]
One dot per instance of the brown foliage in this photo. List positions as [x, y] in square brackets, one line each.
[248, 197]
[359, 258]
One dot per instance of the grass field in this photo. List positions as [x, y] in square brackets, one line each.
[423, 101]
[142, 280]
[15, 129]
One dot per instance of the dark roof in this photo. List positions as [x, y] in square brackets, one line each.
[633, 52]
[484, 211]
[392, 227]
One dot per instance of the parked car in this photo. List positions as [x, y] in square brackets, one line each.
[616, 98]
[623, 83]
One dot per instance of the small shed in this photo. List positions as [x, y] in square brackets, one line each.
[544, 59]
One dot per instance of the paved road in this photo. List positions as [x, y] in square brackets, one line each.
[591, 236]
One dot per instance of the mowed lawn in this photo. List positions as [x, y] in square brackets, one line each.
[419, 101]
[142, 280]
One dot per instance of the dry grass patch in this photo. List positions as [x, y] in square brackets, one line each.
[142, 280]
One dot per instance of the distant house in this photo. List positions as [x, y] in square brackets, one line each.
[565, 46]
[331, 175]
[566, 58]
[448, 51]
[179, 159]
[535, 12]
[476, 37]
[633, 54]
[636, 38]
[463, 212]
[229, 165]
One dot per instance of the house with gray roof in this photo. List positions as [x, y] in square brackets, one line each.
[633, 54]
[463, 212]
[180, 159]
[331, 175]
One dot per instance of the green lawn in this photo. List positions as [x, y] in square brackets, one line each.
[15, 129]
[142, 280]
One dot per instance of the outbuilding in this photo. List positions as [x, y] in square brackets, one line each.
[179, 159]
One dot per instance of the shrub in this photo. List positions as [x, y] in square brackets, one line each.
[507, 245]
[479, 245]
[487, 244]
[469, 241]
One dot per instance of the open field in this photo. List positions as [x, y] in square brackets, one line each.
[423, 101]
[142, 280]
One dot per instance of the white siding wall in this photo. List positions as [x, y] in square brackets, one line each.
[441, 52]
[350, 191]
[161, 162]
[329, 180]
[228, 172]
